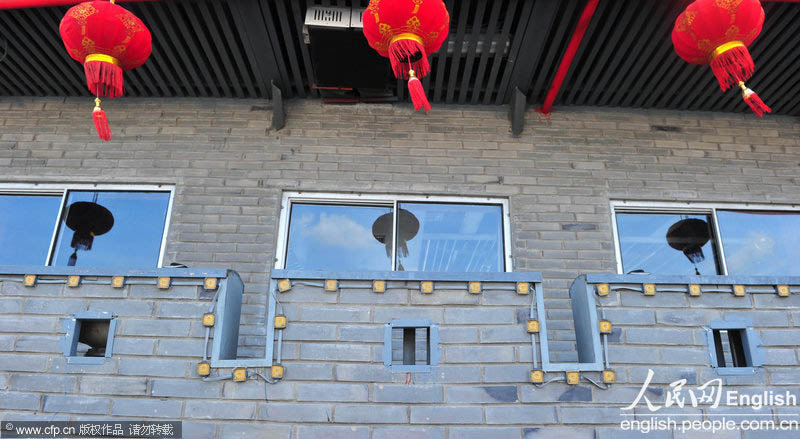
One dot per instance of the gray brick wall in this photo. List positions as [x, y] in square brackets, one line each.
[229, 171]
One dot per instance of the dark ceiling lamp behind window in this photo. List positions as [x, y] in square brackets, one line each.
[87, 220]
[407, 225]
[689, 236]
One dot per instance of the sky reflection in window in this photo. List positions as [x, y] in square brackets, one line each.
[450, 238]
[645, 248]
[339, 237]
[761, 243]
[26, 227]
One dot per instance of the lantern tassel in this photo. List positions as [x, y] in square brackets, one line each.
[101, 121]
[753, 101]
[732, 66]
[417, 93]
[408, 52]
[103, 78]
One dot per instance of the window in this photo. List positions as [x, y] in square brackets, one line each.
[89, 337]
[700, 239]
[381, 233]
[411, 345]
[761, 242]
[83, 226]
[734, 347]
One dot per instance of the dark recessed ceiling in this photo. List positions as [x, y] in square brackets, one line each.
[236, 48]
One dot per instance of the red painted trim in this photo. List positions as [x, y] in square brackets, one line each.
[19, 4]
[569, 55]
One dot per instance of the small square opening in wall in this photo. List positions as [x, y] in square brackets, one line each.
[89, 337]
[734, 346]
[730, 347]
[411, 345]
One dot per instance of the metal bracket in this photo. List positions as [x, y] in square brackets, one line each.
[517, 112]
[278, 112]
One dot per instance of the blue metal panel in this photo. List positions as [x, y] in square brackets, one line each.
[409, 323]
[89, 271]
[407, 276]
[584, 311]
[226, 329]
[687, 279]
[386, 353]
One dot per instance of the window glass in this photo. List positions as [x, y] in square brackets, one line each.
[111, 229]
[26, 228]
[760, 243]
[339, 237]
[450, 237]
[663, 243]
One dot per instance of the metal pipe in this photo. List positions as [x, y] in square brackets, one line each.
[569, 55]
[19, 4]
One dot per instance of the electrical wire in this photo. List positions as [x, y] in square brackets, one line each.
[598, 385]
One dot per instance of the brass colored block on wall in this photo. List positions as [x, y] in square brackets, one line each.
[738, 290]
[117, 281]
[537, 376]
[284, 285]
[649, 289]
[603, 290]
[73, 281]
[239, 374]
[523, 288]
[379, 286]
[475, 287]
[210, 283]
[331, 285]
[426, 286]
[694, 290]
[164, 282]
[783, 290]
[204, 369]
[533, 326]
[573, 377]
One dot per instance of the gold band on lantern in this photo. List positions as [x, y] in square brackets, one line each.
[724, 48]
[102, 57]
[408, 36]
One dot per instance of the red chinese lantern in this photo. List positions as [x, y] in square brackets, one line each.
[406, 32]
[717, 32]
[107, 39]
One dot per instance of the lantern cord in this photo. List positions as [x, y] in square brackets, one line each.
[753, 101]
